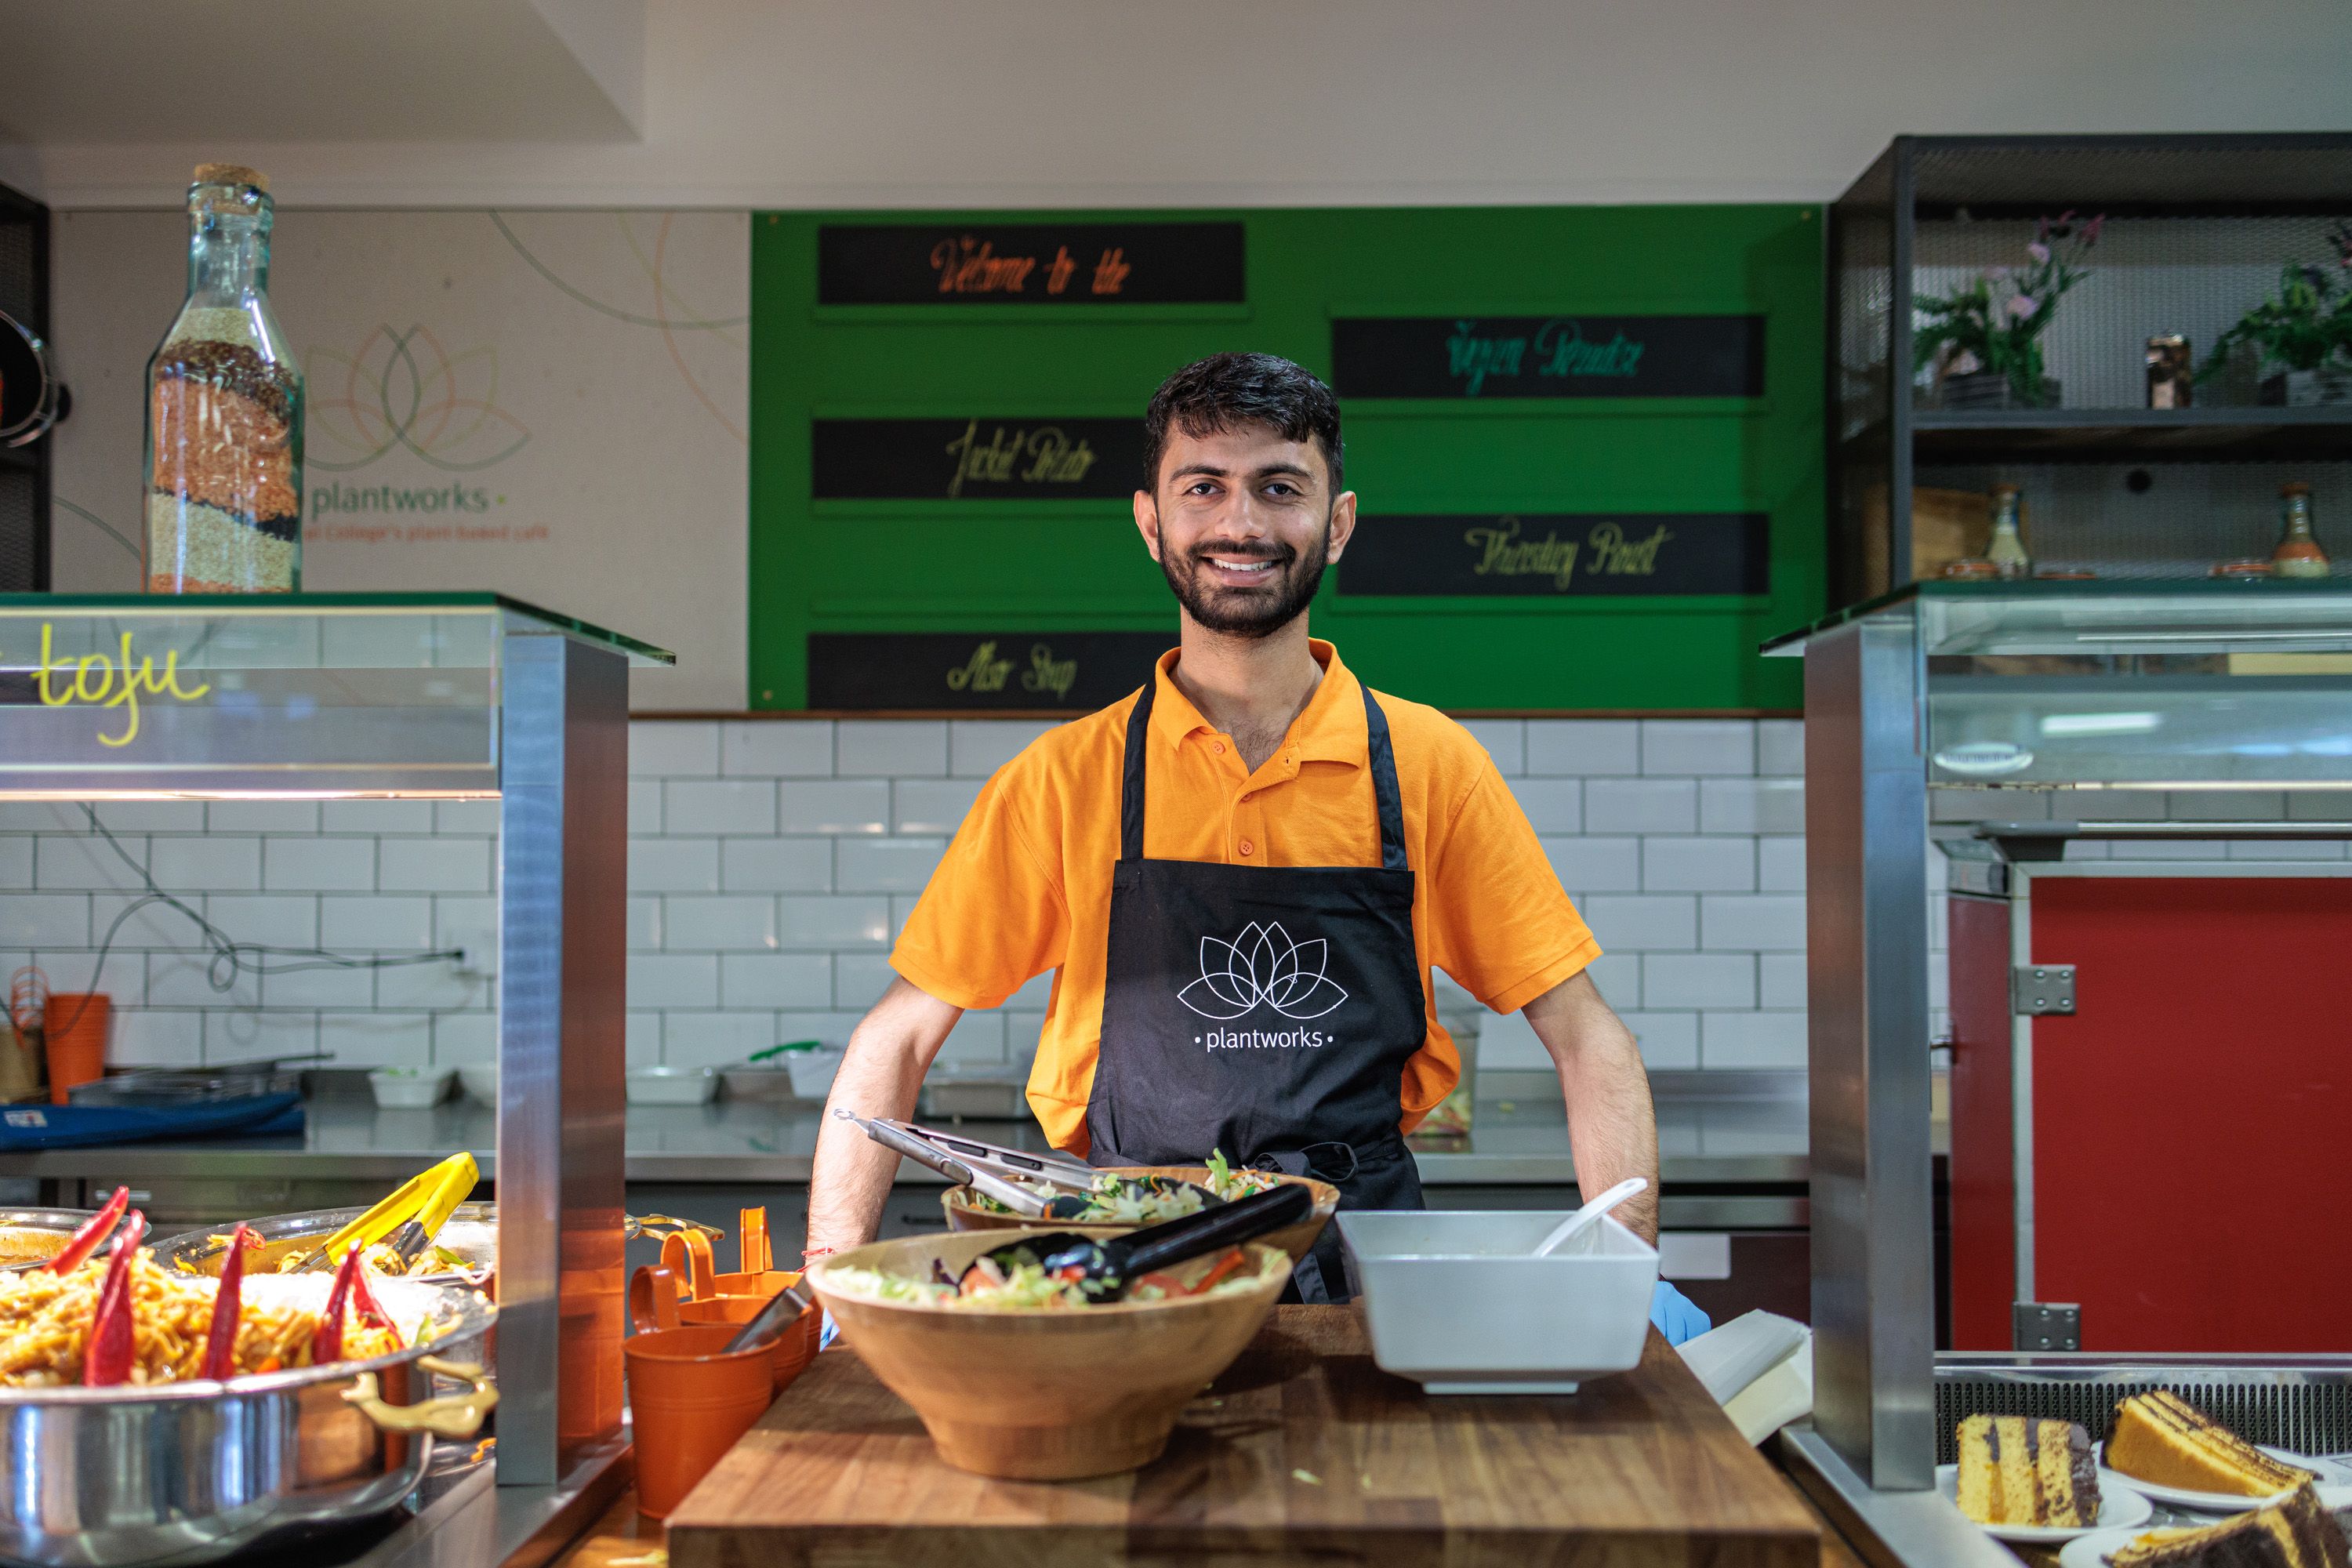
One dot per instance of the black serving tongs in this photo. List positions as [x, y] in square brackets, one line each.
[1108, 1267]
[1005, 1174]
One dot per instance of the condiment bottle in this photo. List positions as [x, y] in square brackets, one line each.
[223, 459]
[2007, 551]
[2298, 553]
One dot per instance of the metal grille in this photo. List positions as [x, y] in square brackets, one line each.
[2180, 521]
[2153, 275]
[2309, 1413]
[19, 286]
[19, 493]
[2235, 173]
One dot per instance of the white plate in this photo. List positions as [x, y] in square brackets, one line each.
[2120, 1509]
[2334, 1487]
[2091, 1551]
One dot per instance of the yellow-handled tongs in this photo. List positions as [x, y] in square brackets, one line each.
[408, 1220]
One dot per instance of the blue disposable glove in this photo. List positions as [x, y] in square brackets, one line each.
[1676, 1316]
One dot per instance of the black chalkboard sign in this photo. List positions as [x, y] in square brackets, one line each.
[1074, 671]
[1029, 264]
[1547, 356]
[1559, 554]
[975, 459]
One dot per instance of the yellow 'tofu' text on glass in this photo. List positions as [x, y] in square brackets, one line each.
[95, 682]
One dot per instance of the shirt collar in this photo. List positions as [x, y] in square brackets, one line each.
[1331, 728]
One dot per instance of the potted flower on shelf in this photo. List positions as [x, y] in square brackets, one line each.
[2306, 330]
[1984, 338]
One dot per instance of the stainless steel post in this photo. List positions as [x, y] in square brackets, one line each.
[563, 885]
[1866, 942]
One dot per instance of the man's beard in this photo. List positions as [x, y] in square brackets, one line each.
[1257, 610]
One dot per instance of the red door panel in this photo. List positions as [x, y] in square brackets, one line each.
[1983, 1184]
[2192, 1123]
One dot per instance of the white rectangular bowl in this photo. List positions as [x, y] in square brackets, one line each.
[672, 1086]
[1454, 1302]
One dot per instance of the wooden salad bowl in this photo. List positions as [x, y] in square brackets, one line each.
[1045, 1395]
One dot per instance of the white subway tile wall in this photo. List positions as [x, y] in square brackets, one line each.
[772, 862]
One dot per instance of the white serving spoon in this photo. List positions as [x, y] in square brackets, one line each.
[1588, 1216]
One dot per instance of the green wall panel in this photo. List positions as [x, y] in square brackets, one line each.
[981, 565]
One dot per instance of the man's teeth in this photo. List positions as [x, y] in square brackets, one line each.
[1244, 565]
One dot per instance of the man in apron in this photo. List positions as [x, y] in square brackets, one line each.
[1241, 878]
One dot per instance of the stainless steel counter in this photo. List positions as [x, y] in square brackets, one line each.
[1713, 1129]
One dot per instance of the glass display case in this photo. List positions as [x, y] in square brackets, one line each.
[2018, 688]
[312, 696]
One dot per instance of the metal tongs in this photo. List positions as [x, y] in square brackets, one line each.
[998, 1171]
[405, 1222]
[980, 1172]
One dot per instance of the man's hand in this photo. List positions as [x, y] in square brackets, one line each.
[890, 1050]
[1613, 1129]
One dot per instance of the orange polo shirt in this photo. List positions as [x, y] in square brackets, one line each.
[1025, 887]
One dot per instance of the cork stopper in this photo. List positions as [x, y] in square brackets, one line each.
[232, 175]
[2294, 488]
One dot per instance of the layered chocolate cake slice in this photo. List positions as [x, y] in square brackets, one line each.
[2018, 1470]
[2296, 1532]
[2161, 1437]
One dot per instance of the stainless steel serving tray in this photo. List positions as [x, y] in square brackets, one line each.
[194, 1472]
[471, 1232]
[20, 1226]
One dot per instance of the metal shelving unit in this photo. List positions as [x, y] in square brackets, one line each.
[2197, 229]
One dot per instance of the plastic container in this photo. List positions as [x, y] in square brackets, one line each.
[75, 1025]
[689, 1404]
[480, 1083]
[408, 1089]
[656, 1302]
[1455, 1300]
[812, 1072]
[223, 454]
[672, 1086]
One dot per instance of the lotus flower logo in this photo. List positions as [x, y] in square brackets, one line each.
[1262, 965]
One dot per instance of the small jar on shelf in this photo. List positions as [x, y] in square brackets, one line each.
[224, 458]
[2007, 550]
[2298, 553]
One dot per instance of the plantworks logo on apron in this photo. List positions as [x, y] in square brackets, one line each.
[1263, 968]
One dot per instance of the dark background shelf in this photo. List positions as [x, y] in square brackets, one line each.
[2199, 229]
[2130, 435]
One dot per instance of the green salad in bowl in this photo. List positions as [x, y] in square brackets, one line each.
[1147, 1200]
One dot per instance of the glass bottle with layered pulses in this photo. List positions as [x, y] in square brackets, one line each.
[223, 491]
[2298, 553]
[2006, 550]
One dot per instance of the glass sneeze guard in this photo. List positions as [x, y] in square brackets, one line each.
[2072, 684]
[316, 695]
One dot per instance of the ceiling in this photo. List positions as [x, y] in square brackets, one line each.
[98, 72]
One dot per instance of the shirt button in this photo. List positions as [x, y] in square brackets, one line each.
[1247, 846]
[1219, 748]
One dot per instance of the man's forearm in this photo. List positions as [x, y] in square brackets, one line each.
[888, 1053]
[1612, 1127]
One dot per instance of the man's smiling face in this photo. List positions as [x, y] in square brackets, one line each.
[1243, 523]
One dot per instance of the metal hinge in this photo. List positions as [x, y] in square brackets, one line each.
[2041, 989]
[2045, 1325]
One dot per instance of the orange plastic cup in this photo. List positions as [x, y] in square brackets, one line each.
[690, 1403]
[75, 1025]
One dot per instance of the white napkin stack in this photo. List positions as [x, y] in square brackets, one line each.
[1760, 1368]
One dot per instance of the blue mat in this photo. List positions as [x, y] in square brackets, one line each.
[25, 1127]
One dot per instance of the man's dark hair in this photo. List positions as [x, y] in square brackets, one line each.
[1227, 392]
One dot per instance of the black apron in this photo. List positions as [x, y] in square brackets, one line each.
[1268, 1012]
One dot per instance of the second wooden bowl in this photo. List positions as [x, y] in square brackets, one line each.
[1046, 1396]
[964, 1213]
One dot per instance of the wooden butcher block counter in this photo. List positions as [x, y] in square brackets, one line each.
[1304, 1451]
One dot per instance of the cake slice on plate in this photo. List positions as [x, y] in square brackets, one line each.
[2161, 1437]
[2296, 1532]
[2018, 1470]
